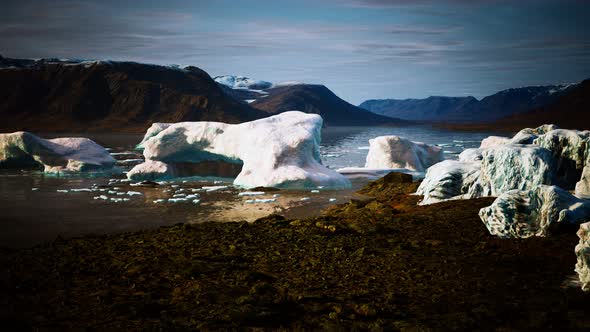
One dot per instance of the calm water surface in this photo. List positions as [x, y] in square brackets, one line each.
[35, 209]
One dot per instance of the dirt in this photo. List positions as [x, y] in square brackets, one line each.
[377, 263]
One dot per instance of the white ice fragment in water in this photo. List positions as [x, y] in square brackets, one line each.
[178, 195]
[332, 200]
[213, 188]
[121, 194]
[174, 186]
[116, 188]
[191, 196]
[320, 187]
[315, 191]
[162, 182]
[184, 181]
[34, 189]
[196, 190]
[305, 199]
[276, 195]
[176, 200]
[260, 200]
[161, 200]
[134, 193]
[196, 201]
[62, 190]
[251, 193]
[112, 192]
[101, 197]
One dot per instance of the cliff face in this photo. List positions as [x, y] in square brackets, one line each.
[109, 96]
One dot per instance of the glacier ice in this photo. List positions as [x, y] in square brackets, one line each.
[280, 151]
[397, 152]
[58, 155]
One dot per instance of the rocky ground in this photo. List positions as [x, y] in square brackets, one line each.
[380, 263]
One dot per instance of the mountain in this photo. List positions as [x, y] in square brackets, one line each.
[429, 109]
[469, 109]
[73, 95]
[309, 98]
[571, 110]
[313, 98]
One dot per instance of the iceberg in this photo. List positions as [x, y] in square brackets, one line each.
[526, 213]
[397, 152]
[58, 155]
[280, 151]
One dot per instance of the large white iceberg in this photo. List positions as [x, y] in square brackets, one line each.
[73, 154]
[449, 179]
[526, 213]
[397, 152]
[279, 151]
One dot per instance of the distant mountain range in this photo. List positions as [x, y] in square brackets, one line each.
[61, 95]
[468, 109]
[309, 98]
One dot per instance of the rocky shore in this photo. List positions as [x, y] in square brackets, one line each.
[381, 263]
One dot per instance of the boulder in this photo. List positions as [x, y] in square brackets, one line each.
[397, 152]
[449, 179]
[280, 151]
[583, 256]
[526, 213]
[75, 154]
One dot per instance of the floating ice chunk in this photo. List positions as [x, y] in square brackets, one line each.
[196, 201]
[315, 191]
[161, 200]
[320, 187]
[196, 190]
[34, 189]
[397, 152]
[277, 151]
[62, 190]
[176, 200]
[111, 192]
[134, 193]
[305, 199]
[180, 190]
[276, 195]
[121, 193]
[76, 154]
[332, 200]
[178, 195]
[251, 193]
[103, 197]
[174, 186]
[213, 188]
[260, 200]
[116, 188]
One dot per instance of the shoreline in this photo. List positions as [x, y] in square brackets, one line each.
[383, 263]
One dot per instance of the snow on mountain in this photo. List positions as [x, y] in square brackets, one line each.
[242, 82]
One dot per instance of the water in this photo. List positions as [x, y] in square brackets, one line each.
[348, 146]
[35, 207]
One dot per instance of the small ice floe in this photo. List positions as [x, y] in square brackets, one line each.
[363, 147]
[305, 199]
[121, 193]
[276, 195]
[117, 200]
[174, 186]
[161, 200]
[213, 188]
[124, 180]
[178, 195]
[180, 190]
[135, 184]
[184, 181]
[116, 188]
[103, 197]
[162, 182]
[196, 201]
[34, 189]
[81, 190]
[259, 200]
[177, 200]
[62, 190]
[320, 187]
[167, 190]
[332, 200]
[134, 193]
[251, 193]
[195, 190]
[315, 191]
[111, 192]
[192, 196]
[217, 182]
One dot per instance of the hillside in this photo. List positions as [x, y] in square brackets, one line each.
[65, 95]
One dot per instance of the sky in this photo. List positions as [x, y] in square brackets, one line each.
[360, 49]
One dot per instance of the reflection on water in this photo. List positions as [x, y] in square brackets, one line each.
[37, 208]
